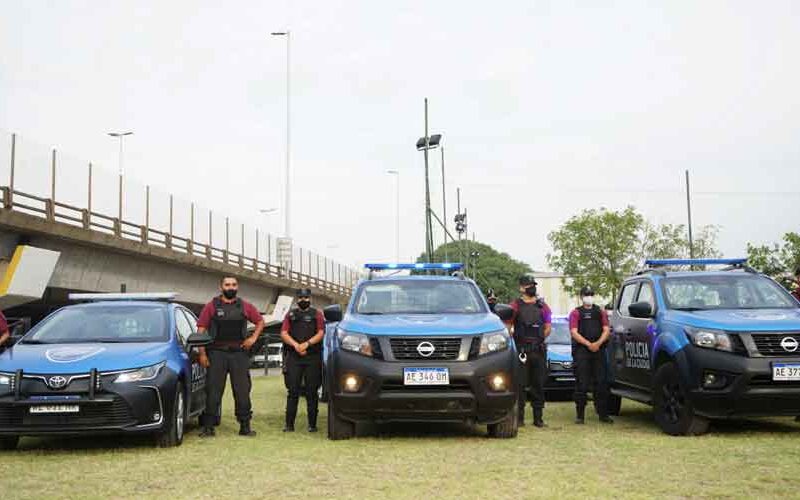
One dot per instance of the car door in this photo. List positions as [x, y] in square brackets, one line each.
[187, 326]
[642, 339]
[621, 331]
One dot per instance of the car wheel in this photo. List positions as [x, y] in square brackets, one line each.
[172, 435]
[506, 428]
[673, 410]
[339, 428]
[9, 442]
[614, 405]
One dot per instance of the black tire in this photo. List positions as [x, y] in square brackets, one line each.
[339, 428]
[9, 443]
[673, 411]
[173, 433]
[614, 405]
[506, 428]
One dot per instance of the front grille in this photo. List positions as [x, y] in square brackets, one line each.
[443, 348]
[769, 344]
[397, 385]
[116, 414]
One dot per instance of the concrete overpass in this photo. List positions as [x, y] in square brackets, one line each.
[104, 253]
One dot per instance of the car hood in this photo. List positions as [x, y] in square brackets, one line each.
[559, 352]
[81, 358]
[422, 324]
[765, 320]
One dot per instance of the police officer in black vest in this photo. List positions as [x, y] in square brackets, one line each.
[531, 324]
[225, 318]
[302, 333]
[588, 325]
[491, 299]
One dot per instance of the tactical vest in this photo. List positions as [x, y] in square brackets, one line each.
[528, 323]
[590, 323]
[303, 326]
[229, 323]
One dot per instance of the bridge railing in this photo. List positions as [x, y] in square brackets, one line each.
[305, 269]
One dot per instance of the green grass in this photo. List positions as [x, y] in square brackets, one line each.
[758, 458]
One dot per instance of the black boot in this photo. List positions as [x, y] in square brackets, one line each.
[606, 419]
[537, 417]
[580, 414]
[208, 431]
[245, 430]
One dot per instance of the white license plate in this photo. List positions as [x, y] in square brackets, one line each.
[426, 376]
[55, 409]
[785, 371]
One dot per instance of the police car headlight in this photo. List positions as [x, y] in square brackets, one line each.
[494, 342]
[354, 342]
[710, 339]
[5, 379]
[141, 374]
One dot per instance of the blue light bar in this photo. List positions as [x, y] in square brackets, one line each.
[695, 262]
[443, 266]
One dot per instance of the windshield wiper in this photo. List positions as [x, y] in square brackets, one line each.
[32, 341]
[689, 309]
[371, 313]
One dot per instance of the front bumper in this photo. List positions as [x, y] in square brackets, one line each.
[110, 409]
[749, 391]
[383, 397]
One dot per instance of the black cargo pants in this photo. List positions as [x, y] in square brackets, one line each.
[224, 361]
[532, 375]
[298, 369]
[590, 375]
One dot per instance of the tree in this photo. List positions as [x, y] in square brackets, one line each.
[777, 261]
[602, 247]
[494, 269]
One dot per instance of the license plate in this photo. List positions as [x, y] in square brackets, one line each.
[426, 376]
[55, 409]
[785, 371]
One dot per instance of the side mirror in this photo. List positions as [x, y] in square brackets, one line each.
[641, 310]
[198, 339]
[504, 312]
[333, 314]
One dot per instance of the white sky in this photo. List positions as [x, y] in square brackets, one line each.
[546, 108]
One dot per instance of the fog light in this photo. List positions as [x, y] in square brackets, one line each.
[351, 383]
[156, 417]
[713, 380]
[497, 382]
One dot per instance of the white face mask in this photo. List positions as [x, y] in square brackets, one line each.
[588, 300]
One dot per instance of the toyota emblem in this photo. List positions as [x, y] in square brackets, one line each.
[425, 349]
[789, 344]
[57, 382]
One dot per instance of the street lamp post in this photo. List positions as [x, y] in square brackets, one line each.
[425, 143]
[121, 136]
[396, 173]
[287, 194]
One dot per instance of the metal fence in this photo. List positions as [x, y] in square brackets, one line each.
[151, 217]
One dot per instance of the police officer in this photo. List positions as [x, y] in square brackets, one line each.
[4, 331]
[491, 299]
[588, 325]
[531, 323]
[302, 333]
[225, 318]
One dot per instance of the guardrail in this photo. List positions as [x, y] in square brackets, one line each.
[329, 277]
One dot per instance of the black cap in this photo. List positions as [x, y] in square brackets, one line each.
[304, 292]
[587, 291]
[527, 280]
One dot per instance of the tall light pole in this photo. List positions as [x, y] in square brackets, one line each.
[396, 173]
[121, 136]
[287, 195]
[689, 215]
[424, 144]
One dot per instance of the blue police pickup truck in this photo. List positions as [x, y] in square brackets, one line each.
[701, 345]
[422, 348]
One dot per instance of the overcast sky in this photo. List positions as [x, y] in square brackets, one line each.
[546, 108]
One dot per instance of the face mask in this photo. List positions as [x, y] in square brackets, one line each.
[304, 304]
[588, 300]
[530, 291]
[229, 294]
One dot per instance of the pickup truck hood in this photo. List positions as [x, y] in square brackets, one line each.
[422, 324]
[81, 358]
[744, 320]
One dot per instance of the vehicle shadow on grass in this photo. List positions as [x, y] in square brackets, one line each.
[421, 430]
[85, 443]
[642, 418]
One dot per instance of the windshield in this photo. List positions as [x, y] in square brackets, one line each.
[95, 323]
[419, 297]
[731, 291]
[559, 333]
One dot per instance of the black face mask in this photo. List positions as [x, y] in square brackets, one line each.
[530, 291]
[303, 304]
[229, 294]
